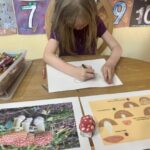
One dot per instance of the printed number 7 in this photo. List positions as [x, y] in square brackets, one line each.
[33, 8]
[119, 10]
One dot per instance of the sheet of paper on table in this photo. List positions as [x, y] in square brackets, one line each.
[58, 81]
[42, 124]
[123, 120]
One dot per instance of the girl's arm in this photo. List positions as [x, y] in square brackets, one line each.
[109, 67]
[56, 62]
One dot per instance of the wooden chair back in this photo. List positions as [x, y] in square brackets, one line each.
[105, 13]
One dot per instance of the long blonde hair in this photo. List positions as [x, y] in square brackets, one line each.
[63, 18]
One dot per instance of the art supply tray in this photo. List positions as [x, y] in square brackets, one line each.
[8, 77]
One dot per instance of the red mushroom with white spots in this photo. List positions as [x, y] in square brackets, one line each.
[42, 139]
[18, 139]
[24, 139]
[87, 126]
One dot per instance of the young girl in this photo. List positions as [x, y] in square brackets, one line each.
[75, 27]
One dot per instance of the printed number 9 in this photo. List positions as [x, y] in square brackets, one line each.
[119, 10]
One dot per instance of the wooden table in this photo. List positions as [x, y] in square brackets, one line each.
[134, 74]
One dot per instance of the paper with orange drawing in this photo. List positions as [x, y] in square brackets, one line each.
[123, 120]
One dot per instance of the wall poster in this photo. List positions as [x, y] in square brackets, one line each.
[30, 15]
[122, 12]
[7, 18]
[140, 13]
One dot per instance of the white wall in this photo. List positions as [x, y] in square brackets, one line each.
[135, 42]
[34, 44]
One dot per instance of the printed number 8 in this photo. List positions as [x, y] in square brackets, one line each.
[119, 10]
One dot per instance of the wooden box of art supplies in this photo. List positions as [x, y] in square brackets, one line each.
[11, 65]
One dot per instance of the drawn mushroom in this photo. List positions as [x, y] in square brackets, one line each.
[147, 111]
[113, 139]
[39, 123]
[87, 126]
[124, 114]
[17, 122]
[144, 100]
[101, 123]
[130, 105]
[26, 124]
[108, 124]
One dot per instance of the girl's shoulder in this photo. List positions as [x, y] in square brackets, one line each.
[99, 21]
[101, 28]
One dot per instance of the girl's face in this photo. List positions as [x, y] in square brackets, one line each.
[80, 24]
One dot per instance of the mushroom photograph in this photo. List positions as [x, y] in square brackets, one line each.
[45, 127]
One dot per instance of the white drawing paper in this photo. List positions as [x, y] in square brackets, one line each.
[59, 81]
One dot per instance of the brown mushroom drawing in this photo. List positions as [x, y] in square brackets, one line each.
[87, 126]
[144, 100]
[108, 124]
[101, 123]
[24, 139]
[122, 114]
[147, 111]
[130, 105]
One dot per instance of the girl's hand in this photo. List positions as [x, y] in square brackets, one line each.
[108, 72]
[85, 73]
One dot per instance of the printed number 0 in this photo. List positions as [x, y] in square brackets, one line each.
[33, 8]
[119, 10]
[141, 13]
[146, 15]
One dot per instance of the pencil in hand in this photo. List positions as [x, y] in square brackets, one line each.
[84, 66]
[89, 70]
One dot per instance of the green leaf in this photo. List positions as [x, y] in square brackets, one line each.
[49, 119]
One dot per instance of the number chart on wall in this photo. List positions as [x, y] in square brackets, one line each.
[30, 15]
[7, 18]
[140, 13]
